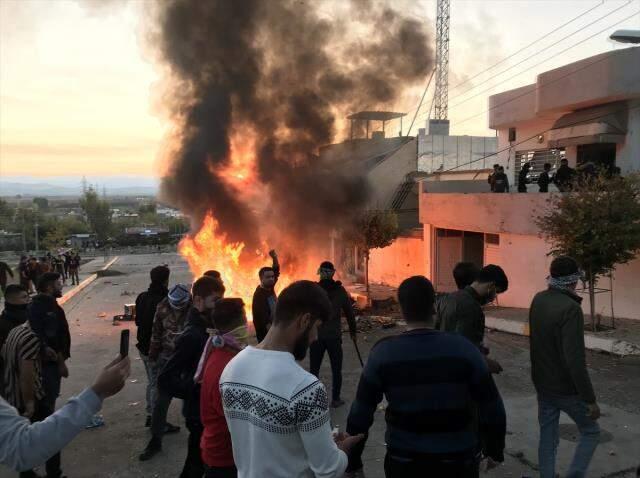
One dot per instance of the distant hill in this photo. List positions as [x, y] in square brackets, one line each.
[115, 186]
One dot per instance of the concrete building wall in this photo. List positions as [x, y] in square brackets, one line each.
[386, 176]
[491, 213]
[391, 265]
[437, 152]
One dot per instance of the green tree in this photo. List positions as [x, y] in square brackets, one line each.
[98, 213]
[147, 209]
[372, 229]
[598, 225]
[42, 203]
[7, 216]
[55, 238]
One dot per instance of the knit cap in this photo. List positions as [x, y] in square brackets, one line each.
[179, 296]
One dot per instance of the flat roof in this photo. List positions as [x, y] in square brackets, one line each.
[376, 115]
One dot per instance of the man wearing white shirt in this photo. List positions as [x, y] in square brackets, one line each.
[277, 412]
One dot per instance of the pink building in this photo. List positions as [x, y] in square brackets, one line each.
[588, 111]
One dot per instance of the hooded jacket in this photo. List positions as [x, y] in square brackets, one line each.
[146, 305]
[11, 317]
[49, 322]
[340, 303]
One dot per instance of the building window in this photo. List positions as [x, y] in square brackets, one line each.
[492, 239]
[537, 159]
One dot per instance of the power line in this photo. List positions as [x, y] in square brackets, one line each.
[421, 100]
[546, 48]
[530, 44]
[537, 64]
[527, 46]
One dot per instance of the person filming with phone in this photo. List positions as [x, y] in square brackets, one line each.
[24, 445]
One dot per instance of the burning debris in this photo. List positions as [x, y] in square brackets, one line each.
[256, 90]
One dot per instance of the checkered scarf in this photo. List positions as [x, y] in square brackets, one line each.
[564, 282]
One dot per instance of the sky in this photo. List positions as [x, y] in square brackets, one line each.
[80, 87]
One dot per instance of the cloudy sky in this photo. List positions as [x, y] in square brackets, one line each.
[80, 91]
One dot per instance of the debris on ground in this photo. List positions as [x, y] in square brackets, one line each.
[102, 315]
[367, 323]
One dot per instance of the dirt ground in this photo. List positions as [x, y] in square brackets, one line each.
[112, 450]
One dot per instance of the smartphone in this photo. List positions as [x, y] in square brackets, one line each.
[124, 343]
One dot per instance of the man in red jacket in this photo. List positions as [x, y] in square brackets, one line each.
[229, 338]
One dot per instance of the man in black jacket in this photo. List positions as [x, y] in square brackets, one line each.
[564, 176]
[263, 305]
[49, 322]
[177, 376]
[146, 304]
[544, 179]
[16, 300]
[559, 369]
[330, 331]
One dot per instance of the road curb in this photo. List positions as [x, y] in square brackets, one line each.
[83, 285]
[591, 342]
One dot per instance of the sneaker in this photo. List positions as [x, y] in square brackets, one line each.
[153, 448]
[337, 403]
[147, 423]
[169, 428]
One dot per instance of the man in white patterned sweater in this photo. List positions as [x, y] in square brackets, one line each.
[277, 412]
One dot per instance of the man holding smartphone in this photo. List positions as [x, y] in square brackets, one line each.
[24, 445]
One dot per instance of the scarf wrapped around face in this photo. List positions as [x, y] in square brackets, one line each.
[236, 339]
[565, 282]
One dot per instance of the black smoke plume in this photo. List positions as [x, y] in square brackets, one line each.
[282, 71]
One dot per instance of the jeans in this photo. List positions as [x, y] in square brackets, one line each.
[150, 392]
[193, 467]
[316, 353]
[423, 467]
[217, 472]
[161, 400]
[549, 408]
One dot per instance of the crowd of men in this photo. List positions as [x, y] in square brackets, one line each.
[255, 411]
[30, 269]
[563, 178]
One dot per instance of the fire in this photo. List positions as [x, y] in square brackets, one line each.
[209, 249]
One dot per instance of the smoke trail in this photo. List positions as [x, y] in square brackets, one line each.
[279, 73]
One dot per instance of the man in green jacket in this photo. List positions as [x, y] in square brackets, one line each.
[559, 370]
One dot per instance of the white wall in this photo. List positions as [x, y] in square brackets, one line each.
[461, 152]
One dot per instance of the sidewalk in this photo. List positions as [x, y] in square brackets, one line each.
[621, 341]
[88, 273]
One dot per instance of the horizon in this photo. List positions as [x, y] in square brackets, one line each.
[52, 115]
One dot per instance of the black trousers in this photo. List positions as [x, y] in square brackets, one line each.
[193, 467]
[44, 408]
[217, 472]
[316, 353]
[401, 467]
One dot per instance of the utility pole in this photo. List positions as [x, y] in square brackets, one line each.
[438, 123]
[37, 239]
[442, 60]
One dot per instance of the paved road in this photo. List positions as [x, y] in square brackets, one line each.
[111, 451]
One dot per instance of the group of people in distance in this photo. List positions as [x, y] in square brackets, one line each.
[30, 269]
[563, 178]
[255, 411]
